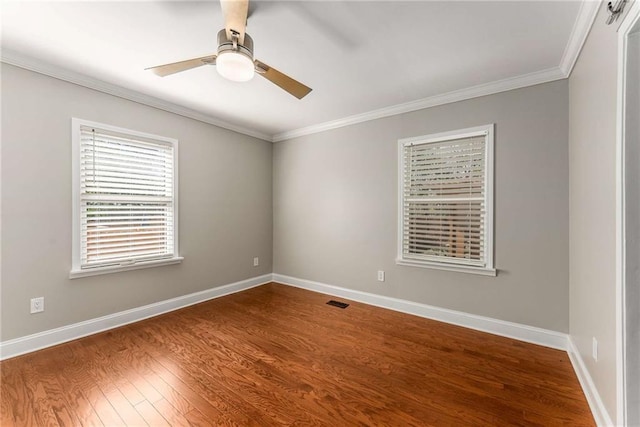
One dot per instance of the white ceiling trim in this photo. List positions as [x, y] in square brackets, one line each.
[525, 80]
[580, 31]
[22, 61]
[581, 27]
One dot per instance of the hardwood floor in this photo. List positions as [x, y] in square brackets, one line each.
[277, 355]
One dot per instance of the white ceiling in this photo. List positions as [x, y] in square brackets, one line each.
[357, 56]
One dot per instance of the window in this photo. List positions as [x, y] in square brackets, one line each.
[125, 194]
[446, 201]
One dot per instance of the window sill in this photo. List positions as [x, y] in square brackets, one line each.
[75, 274]
[483, 271]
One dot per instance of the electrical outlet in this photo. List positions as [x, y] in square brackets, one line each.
[37, 305]
[256, 262]
[380, 276]
[594, 349]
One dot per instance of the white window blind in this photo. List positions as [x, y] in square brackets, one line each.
[445, 207]
[126, 198]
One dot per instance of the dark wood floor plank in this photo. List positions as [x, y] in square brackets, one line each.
[344, 376]
[87, 373]
[78, 404]
[465, 384]
[180, 383]
[13, 393]
[197, 419]
[57, 372]
[50, 406]
[265, 356]
[57, 398]
[212, 400]
[276, 355]
[237, 382]
[221, 373]
[253, 358]
[117, 367]
[131, 392]
[151, 414]
[121, 365]
[107, 414]
[171, 413]
[145, 388]
[128, 413]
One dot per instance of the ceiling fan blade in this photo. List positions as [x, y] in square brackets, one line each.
[292, 86]
[176, 67]
[235, 17]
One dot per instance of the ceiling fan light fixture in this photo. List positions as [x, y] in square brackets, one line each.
[235, 59]
[235, 66]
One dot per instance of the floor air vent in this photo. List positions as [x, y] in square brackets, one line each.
[338, 304]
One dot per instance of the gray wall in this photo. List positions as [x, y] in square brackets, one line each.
[224, 201]
[335, 208]
[592, 205]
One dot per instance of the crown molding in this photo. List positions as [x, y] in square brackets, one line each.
[538, 77]
[32, 64]
[581, 27]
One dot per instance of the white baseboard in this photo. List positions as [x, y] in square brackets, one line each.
[29, 343]
[516, 331]
[600, 413]
[544, 337]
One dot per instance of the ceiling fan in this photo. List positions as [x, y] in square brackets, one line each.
[234, 59]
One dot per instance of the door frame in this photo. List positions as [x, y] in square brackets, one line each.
[625, 29]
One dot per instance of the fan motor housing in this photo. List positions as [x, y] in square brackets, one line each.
[226, 45]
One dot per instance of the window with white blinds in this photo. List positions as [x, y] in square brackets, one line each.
[446, 200]
[124, 197]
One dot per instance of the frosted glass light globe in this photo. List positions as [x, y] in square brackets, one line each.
[235, 66]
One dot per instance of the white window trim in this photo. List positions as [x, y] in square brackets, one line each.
[488, 269]
[76, 271]
[74, 274]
